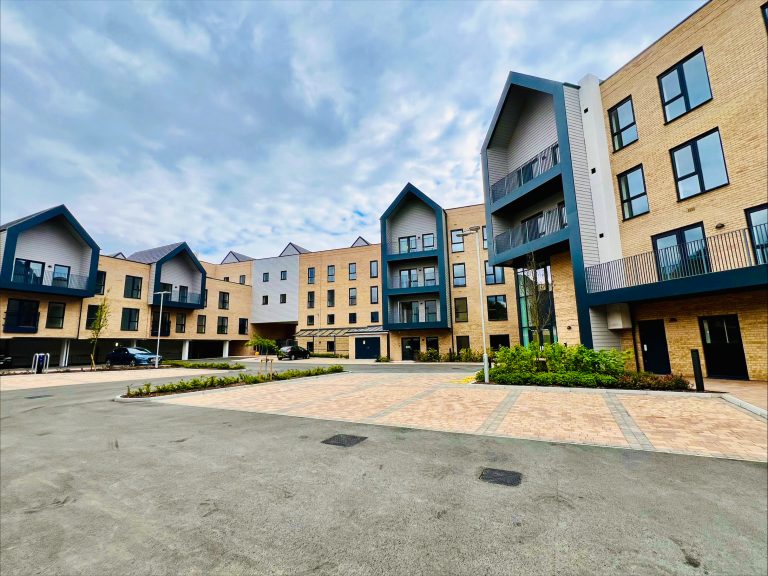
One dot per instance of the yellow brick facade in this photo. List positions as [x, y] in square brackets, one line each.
[566, 311]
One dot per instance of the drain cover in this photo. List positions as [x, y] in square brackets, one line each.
[39, 396]
[503, 477]
[345, 440]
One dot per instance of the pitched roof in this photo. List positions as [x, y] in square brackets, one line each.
[360, 242]
[233, 256]
[153, 254]
[117, 255]
[292, 249]
[25, 218]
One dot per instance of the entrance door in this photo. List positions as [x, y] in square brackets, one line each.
[368, 347]
[410, 348]
[653, 340]
[723, 348]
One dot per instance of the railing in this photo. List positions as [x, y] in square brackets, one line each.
[730, 251]
[399, 318]
[73, 281]
[549, 222]
[410, 245]
[543, 161]
[178, 297]
[403, 283]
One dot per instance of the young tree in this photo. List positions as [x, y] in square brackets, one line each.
[262, 344]
[99, 324]
[538, 299]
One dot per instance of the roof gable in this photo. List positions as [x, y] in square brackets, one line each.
[410, 190]
[360, 242]
[293, 249]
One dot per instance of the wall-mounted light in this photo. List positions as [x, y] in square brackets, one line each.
[567, 327]
[719, 226]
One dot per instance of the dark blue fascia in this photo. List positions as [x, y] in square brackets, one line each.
[714, 282]
[20, 329]
[9, 255]
[540, 245]
[414, 290]
[413, 256]
[417, 326]
[527, 188]
[183, 247]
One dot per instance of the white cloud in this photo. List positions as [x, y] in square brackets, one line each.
[184, 37]
[14, 32]
[113, 58]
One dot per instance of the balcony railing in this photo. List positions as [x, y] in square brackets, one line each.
[403, 318]
[410, 245]
[549, 222]
[406, 283]
[543, 161]
[730, 251]
[178, 297]
[28, 278]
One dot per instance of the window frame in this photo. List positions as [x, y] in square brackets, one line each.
[429, 317]
[352, 295]
[127, 321]
[101, 282]
[375, 317]
[25, 265]
[90, 319]
[330, 298]
[455, 243]
[331, 319]
[453, 274]
[628, 201]
[748, 215]
[283, 274]
[697, 170]
[684, 256]
[310, 319]
[373, 293]
[181, 323]
[265, 276]
[242, 278]
[410, 244]
[242, 326]
[352, 270]
[222, 325]
[311, 275]
[462, 338]
[373, 268]
[331, 272]
[619, 130]
[223, 300]
[201, 324]
[310, 299]
[353, 317]
[497, 298]
[265, 299]
[284, 298]
[133, 290]
[678, 67]
[493, 274]
[48, 316]
[456, 312]
[430, 235]
[485, 237]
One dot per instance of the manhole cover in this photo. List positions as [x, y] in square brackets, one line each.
[503, 477]
[345, 440]
[39, 396]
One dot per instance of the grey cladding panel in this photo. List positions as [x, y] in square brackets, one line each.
[55, 242]
[414, 218]
[274, 311]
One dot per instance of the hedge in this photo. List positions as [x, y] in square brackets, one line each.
[624, 381]
[211, 365]
[210, 382]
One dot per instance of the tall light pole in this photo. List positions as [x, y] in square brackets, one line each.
[475, 231]
[159, 325]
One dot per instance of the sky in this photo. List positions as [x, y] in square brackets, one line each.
[245, 126]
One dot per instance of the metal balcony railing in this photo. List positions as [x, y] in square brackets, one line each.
[549, 222]
[730, 251]
[410, 245]
[543, 161]
[411, 283]
[29, 278]
[402, 318]
[179, 297]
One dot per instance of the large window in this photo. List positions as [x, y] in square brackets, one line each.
[130, 320]
[493, 274]
[685, 86]
[757, 219]
[331, 273]
[223, 300]
[461, 311]
[311, 299]
[55, 317]
[101, 281]
[497, 307]
[331, 298]
[242, 326]
[181, 322]
[428, 241]
[374, 294]
[406, 244]
[429, 276]
[457, 240]
[681, 253]
[353, 296]
[201, 324]
[132, 287]
[352, 270]
[409, 277]
[222, 325]
[28, 271]
[310, 275]
[622, 121]
[699, 165]
[374, 268]
[459, 275]
[90, 315]
[430, 310]
[22, 314]
[634, 199]
[536, 305]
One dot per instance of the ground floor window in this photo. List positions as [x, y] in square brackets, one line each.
[536, 304]
[310, 346]
[330, 346]
[21, 314]
[433, 343]
[462, 342]
[166, 325]
[499, 340]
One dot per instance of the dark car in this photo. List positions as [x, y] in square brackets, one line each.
[6, 361]
[292, 352]
[132, 357]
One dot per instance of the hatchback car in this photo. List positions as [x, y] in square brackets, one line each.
[132, 357]
[292, 352]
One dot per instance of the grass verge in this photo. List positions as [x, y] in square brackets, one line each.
[204, 365]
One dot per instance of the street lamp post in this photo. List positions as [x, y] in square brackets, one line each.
[475, 231]
[159, 326]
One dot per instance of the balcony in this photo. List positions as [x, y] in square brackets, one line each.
[180, 299]
[401, 320]
[536, 166]
[48, 279]
[406, 285]
[411, 247]
[531, 230]
[732, 260]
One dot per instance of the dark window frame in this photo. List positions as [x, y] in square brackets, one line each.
[242, 326]
[374, 294]
[617, 130]
[331, 319]
[460, 343]
[494, 275]
[331, 272]
[26, 309]
[352, 296]
[265, 276]
[90, 315]
[283, 274]
[352, 270]
[428, 316]
[373, 268]
[374, 317]
[457, 314]
[223, 300]
[697, 169]
[678, 67]
[222, 325]
[485, 237]
[129, 322]
[353, 317]
[283, 298]
[456, 243]
[410, 244]
[464, 277]
[685, 258]
[134, 293]
[760, 257]
[201, 325]
[101, 282]
[497, 298]
[311, 275]
[242, 278]
[330, 298]
[265, 300]
[431, 245]
[181, 322]
[629, 199]
[310, 299]
[310, 320]
[60, 318]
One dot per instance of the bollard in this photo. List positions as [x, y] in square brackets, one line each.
[697, 376]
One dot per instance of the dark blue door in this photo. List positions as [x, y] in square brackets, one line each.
[367, 347]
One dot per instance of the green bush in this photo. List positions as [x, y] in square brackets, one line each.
[429, 356]
[263, 345]
[326, 355]
[625, 381]
[211, 365]
[383, 359]
[516, 359]
[225, 381]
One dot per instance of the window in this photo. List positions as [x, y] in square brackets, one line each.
[181, 322]
[242, 326]
[353, 317]
[374, 316]
[699, 165]
[224, 301]
[499, 340]
[310, 275]
[681, 253]
[283, 274]
[310, 346]
[90, 316]
[331, 273]
[101, 281]
[310, 320]
[265, 277]
[634, 199]
[457, 241]
[493, 274]
[532, 227]
[485, 238]
[536, 305]
[183, 293]
[430, 309]
[201, 324]
[409, 312]
[622, 120]
[757, 219]
[331, 319]
[310, 299]
[28, 272]
[55, 317]
[283, 298]
[23, 314]
[429, 276]
[222, 326]
[331, 298]
[428, 241]
[165, 287]
[165, 329]
[226, 278]
[264, 300]
[130, 320]
[353, 271]
[374, 294]
[433, 343]
[330, 346]
[685, 86]
[242, 278]
[353, 296]
[462, 343]
[132, 287]
[497, 308]
[374, 268]
[459, 275]
[205, 298]
[461, 311]
[407, 244]
[409, 277]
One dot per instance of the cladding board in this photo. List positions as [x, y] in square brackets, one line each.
[179, 271]
[413, 218]
[54, 242]
[274, 311]
[535, 131]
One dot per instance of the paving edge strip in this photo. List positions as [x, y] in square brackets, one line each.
[751, 408]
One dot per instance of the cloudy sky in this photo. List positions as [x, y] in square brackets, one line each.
[247, 125]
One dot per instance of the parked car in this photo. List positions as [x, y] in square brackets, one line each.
[6, 361]
[132, 357]
[292, 352]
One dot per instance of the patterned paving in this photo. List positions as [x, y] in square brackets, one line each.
[680, 423]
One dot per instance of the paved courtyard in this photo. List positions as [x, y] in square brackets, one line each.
[703, 425]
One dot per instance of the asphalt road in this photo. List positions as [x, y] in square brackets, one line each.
[90, 486]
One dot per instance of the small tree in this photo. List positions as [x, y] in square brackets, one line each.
[99, 324]
[538, 300]
[262, 344]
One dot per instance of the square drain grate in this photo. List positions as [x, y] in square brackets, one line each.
[345, 440]
[503, 477]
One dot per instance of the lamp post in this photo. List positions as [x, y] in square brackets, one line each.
[475, 231]
[159, 326]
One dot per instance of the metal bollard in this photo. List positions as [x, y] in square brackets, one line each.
[697, 375]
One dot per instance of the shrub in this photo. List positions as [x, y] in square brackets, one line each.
[211, 365]
[326, 355]
[383, 359]
[626, 380]
[428, 356]
[516, 359]
[263, 345]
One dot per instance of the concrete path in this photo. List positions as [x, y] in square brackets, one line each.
[683, 423]
[754, 392]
